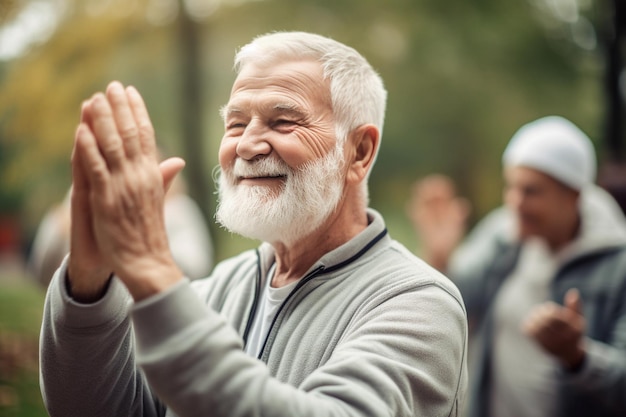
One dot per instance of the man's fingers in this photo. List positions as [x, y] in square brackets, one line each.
[169, 169]
[105, 131]
[540, 319]
[85, 112]
[142, 119]
[532, 323]
[79, 180]
[124, 119]
[91, 168]
[80, 183]
[573, 301]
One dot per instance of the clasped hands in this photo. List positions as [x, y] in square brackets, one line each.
[118, 188]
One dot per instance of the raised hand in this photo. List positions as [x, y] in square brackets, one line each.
[439, 217]
[117, 199]
[559, 329]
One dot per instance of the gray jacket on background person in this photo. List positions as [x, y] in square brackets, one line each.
[595, 264]
[364, 333]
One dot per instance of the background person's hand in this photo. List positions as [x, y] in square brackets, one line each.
[439, 218]
[559, 330]
[117, 199]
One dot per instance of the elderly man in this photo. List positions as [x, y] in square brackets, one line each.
[543, 278]
[328, 317]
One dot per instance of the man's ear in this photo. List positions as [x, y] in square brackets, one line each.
[364, 142]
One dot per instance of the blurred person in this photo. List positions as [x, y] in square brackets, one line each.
[329, 316]
[51, 242]
[187, 232]
[543, 278]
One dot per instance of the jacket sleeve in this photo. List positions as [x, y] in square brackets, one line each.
[87, 365]
[398, 359]
[600, 384]
[603, 375]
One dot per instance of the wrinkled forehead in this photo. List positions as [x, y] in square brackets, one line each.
[301, 79]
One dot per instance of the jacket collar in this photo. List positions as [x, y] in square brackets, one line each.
[373, 235]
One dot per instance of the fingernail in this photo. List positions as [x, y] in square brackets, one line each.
[132, 90]
[116, 87]
[98, 100]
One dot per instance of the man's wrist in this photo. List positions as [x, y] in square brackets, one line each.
[83, 294]
[150, 278]
[575, 361]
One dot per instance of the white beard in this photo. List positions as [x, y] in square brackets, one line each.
[307, 198]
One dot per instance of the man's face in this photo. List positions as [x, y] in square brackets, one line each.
[281, 169]
[543, 206]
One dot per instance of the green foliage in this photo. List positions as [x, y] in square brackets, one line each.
[21, 306]
[462, 77]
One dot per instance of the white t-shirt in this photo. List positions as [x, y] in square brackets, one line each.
[270, 301]
[524, 376]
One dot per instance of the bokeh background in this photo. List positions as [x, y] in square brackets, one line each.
[462, 76]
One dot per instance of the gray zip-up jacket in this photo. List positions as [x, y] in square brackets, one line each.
[370, 330]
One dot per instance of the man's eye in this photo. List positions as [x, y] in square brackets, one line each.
[237, 125]
[283, 123]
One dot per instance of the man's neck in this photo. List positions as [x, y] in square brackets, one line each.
[293, 261]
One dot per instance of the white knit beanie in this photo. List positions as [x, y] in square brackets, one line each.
[556, 147]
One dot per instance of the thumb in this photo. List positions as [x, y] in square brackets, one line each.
[169, 169]
[573, 301]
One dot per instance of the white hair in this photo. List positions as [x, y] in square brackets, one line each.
[357, 92]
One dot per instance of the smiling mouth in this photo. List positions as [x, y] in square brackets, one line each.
[260, 177]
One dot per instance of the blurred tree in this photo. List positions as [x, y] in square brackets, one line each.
[192, 109]
[462, 77]
[40, 103]
[615, 39]
[613, 172]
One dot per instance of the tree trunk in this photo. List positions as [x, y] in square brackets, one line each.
[192, 105]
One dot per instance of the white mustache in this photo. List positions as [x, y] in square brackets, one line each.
[265, 167]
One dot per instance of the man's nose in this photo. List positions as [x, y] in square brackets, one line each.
[254, 141]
